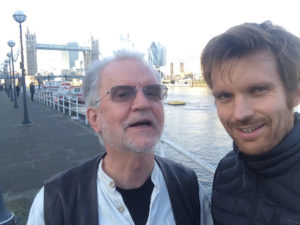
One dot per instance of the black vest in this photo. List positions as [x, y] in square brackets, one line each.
[70, 198]
[262, 189]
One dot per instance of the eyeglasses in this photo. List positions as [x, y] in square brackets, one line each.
[154, 92]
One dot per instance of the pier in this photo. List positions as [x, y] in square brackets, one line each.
[29, 154]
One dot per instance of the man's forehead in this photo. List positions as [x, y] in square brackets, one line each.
[126, 69]
[119, 64]
[224, 70]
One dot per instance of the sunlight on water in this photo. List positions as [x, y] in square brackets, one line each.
[195, 127]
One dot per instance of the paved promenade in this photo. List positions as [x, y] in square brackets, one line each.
[29, 154]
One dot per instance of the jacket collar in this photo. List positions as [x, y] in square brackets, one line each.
[280, 158]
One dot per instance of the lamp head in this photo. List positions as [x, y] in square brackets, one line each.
[19, 16]
[11, 43]
[8, 55]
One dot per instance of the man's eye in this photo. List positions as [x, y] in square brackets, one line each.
[123, 94]
[151, 93]
[259, 89]
[223, 96]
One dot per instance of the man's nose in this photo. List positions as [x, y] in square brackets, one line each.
[242, 108]
[140, 101]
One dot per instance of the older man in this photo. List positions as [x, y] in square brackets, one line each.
[254, 73]
[128, 184]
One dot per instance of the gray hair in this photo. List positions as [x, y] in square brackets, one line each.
[91, 81]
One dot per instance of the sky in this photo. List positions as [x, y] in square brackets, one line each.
[182, 26]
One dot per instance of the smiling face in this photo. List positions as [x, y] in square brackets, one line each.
[252, 103]
[135, 125]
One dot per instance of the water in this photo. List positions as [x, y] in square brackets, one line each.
[195, 127]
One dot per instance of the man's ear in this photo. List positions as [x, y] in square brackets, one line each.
[93, 118]
[297, 96]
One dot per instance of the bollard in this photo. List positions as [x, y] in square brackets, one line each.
[6, 218]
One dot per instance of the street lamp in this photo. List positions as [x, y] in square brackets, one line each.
[11, 44]
[10, 87]
[7, 61]
[6, 78]
[20, 17]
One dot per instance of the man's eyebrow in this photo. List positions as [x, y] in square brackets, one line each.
[219, 92]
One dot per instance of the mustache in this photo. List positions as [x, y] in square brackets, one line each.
[246, 122]
[139, 116]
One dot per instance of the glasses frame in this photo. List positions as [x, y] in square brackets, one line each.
[163, 88]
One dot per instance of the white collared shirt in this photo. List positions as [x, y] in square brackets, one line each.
[112, 209]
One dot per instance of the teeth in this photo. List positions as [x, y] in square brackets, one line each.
[251, 129]
[141, 123]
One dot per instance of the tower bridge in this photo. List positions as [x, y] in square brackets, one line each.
[90, 54]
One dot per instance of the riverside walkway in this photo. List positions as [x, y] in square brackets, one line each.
[31, 153]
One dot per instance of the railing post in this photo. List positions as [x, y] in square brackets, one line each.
[63, 102]
[58, 103]
[45, 98]
[69, 106]
[49, 99]
[77, 109]
[86, 119]
[52, 101]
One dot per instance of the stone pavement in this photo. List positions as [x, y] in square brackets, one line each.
[29, 154]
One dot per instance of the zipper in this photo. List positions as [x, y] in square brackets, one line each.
[255, 203]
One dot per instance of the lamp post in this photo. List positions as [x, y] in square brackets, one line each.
[11, 44]
[20, 17]
[10, 80]
[7, 61]
[6, 78]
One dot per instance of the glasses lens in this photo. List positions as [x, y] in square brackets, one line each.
[155, 92]
[123, 93]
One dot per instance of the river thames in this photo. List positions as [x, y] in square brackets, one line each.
[195, 127]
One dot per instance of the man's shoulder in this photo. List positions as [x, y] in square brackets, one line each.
[86, 169]
[228, 160]
[228, 169]
[175, 166]
[176, 172]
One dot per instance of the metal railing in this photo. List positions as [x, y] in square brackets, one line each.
[67, 104]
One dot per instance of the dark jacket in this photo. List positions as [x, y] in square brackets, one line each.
[32, 88]
[71, 197]
[259, 190]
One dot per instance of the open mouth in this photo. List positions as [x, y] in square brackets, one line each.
[141, 123]
[250, 129]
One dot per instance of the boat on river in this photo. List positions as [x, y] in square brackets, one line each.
[176, 103]
[65, 90]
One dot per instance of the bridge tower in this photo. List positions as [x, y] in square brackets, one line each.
[31, 53]
[94, 49]
[92, 54]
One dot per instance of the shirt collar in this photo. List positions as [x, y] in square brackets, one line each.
[107, 181]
